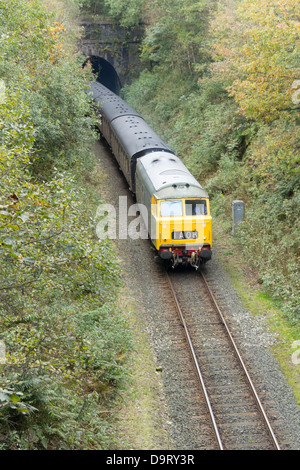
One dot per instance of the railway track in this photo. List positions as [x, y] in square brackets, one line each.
[236, 413]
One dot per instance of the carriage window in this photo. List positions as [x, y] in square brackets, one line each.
[170, 208]
[196, 207]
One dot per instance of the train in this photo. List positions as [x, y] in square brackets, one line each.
[177, 214]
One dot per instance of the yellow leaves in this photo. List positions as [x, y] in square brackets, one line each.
[263, 59]
[56, 50]
[57, 28]
[54, 30]
[272, 155]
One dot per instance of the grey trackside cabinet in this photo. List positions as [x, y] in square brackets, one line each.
[238, 214]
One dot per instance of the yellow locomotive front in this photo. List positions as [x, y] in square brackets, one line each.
[183, 230]
[178, 213]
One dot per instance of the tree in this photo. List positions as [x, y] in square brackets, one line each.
[53, 270]
[264, 59]
[177, 35]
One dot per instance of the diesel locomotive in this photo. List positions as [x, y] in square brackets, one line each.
[178, 213]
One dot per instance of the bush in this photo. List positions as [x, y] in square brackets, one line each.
[66, 341]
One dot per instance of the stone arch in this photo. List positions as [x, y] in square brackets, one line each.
[105, 73]
[103, 38]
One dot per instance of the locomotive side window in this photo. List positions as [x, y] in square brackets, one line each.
[195, 207]
[171, 208]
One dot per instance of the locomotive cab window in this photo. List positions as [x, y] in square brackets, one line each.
[171, 208]
[195, 207]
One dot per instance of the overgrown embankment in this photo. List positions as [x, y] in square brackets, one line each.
[65, 339]
[220, 83]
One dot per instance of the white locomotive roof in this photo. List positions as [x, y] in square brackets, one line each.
[169, 176]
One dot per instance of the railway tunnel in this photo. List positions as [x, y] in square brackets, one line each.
[105, 73]
[113, 51]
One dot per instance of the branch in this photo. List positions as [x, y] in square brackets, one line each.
[18, 286]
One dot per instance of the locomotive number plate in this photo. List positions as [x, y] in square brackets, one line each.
[187, 235]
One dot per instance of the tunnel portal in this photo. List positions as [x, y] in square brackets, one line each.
[105, 73]
[114, 51]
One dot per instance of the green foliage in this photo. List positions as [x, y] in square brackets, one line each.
[126, 12]
[11, 404]
[61, 365]
[36, 68]
[91, 6]
[263, 60]
[176, 38]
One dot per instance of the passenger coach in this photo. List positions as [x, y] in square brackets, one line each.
[178, 213]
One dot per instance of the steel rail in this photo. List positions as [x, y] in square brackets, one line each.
[266, 420]
[179, 310]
